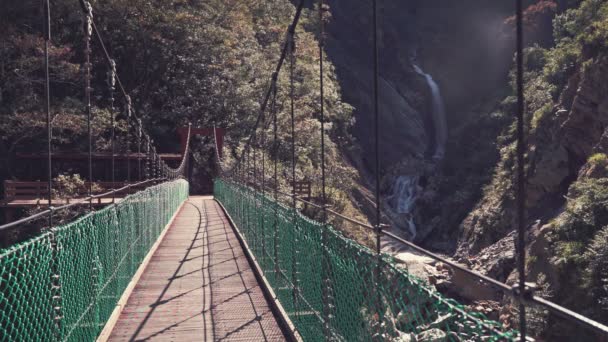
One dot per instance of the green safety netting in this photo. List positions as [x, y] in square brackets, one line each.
[64, 284]
[333, 288]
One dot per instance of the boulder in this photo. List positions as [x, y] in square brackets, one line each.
[405, 337]
[432, 335]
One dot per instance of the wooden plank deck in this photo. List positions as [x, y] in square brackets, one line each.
[198, 286]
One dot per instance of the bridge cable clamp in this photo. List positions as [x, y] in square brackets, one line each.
[528, 293]
[379, 228]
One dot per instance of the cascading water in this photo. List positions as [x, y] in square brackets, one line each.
[438, 115]
[406, 188]
[403, 198]
[405, 192]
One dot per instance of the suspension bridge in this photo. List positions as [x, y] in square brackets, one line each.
[147, 261]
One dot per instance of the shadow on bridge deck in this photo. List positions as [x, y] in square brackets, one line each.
[198, 286]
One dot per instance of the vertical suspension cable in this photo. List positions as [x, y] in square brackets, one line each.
[56, 300]
[158, 164]
[147, 166]
[292, 116]
[520, 192]
[139, 149]
[263, 161]
[284, 52]
[47, 104]
[242, 171]
[128, 138]
[275, 152]
[376, 127]
[152, 160]
[249, 169]
[87, 66]
[254, 189]
[254, 161]
[294, 249]
[263, 197]
[112, 84]
[247, 185]
[46, 23]
[378, 226]
[327, 305]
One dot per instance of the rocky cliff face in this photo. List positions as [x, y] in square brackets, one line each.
[465, 203]
[461, 46]
[566, 171]
[350, 48]
[574, 129]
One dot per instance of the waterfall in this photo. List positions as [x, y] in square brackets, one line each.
[403, 197]
[406, 188]
[438, 115]
[404, 194]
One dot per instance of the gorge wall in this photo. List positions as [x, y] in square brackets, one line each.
[462, 49]
[462, 204]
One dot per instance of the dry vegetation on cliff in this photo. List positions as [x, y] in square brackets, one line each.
[567, 111]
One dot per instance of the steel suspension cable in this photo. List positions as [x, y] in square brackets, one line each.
[520, 293]
[112, 86]
[520, 243]
[254, 184]
[171, 173]
[152, 159]
[263, 197]
[127, 136]
[294, 249]
[47, 104]
[87, 66]
[90, 29]
[326, 267]
[275, 74]
[254, 149]
[263, 161]
[218, 157]
[147, 162]
[275, 152]
[158, 163]
[55, 282]
[292, 117]
[139, 142]
[378, 225]
[376, 127]
[152, 164]
[248, 181]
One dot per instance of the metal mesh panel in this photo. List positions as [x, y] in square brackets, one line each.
[335, 289]
[64, 285]
[25, 291]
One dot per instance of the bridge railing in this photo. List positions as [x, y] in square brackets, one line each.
[64, 284]
[334, 288]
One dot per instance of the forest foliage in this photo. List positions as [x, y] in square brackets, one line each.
[182, 61]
